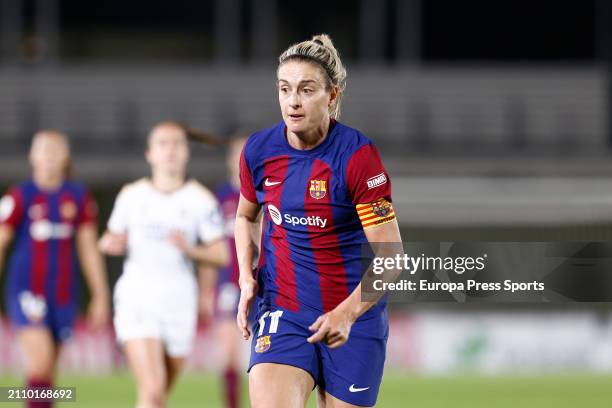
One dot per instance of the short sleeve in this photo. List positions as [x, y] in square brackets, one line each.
[366, 177]
[247, 187]
[210, 224]
[12, 208]
[118, 221]
[370, 187]
[88, 211]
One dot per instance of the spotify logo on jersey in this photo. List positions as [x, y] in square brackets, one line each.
[313, 220]
[275, 214]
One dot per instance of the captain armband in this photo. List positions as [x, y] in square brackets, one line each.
[377, 213]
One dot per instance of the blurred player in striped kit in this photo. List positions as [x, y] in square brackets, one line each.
[53, 222]
[163, 224]
[324, 193]
[227, 290]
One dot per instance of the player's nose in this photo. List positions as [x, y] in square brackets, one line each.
[294, 100]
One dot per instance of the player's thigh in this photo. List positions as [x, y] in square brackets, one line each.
[174, 366]
[146, 359]
[279, 386]
[40, 350]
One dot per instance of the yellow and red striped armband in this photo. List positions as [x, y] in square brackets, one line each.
[377, 213]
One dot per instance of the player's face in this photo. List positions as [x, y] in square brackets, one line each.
[303, 95]
[168, 149]
[49, 153]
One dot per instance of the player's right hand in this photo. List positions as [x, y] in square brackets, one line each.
[113, 244]
[248, 292]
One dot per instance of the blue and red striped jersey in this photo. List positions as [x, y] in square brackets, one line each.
[228, 197]
[313, 234]
[44, 259]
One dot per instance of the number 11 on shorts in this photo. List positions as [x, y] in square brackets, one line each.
[274, 318]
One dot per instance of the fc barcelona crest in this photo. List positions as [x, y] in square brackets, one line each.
[317, 189]
[381, 207]
[263, 344]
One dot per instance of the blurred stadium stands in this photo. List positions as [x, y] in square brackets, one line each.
[429, 123]
[408, 112]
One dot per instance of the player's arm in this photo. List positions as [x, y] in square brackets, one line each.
[113, 244]
[334, 327]
[114, 241]
[389, 233]
[247, 227]
[94, 271]
[11, 215]
[6, 236]
[207, 280]
[369, 187]
[214, 254]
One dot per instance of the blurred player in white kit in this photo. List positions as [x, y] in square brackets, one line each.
[162, 224]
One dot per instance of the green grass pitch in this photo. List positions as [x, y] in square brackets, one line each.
[469, 391]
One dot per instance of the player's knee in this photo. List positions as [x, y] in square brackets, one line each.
[265, 398]
[42, 371]
[270, 403]
[262, 399]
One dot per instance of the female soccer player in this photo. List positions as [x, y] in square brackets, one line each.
[52, 220]
[325, 192]
[157, 222]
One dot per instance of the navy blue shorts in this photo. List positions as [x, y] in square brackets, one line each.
[26, 309]
[352, 372]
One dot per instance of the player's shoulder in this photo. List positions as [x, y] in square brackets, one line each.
[262, 142]
[199, 191]
[135, 188]
[22, 190]
[76, 187]
[350, 139]
[262, 137]
[12, 197]
[17, 188]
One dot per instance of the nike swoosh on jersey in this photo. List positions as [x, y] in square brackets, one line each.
[269, 183]
[353, 389]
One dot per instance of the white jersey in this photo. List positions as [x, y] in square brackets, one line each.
[156, 296]
[149, 216]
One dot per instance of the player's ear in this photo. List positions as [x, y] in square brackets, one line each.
[333, 95]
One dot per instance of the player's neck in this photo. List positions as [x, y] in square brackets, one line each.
[309, 139]
[47, 181]
[167, 183]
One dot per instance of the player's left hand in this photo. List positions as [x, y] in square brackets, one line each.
[333, 328]
[98, 312]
